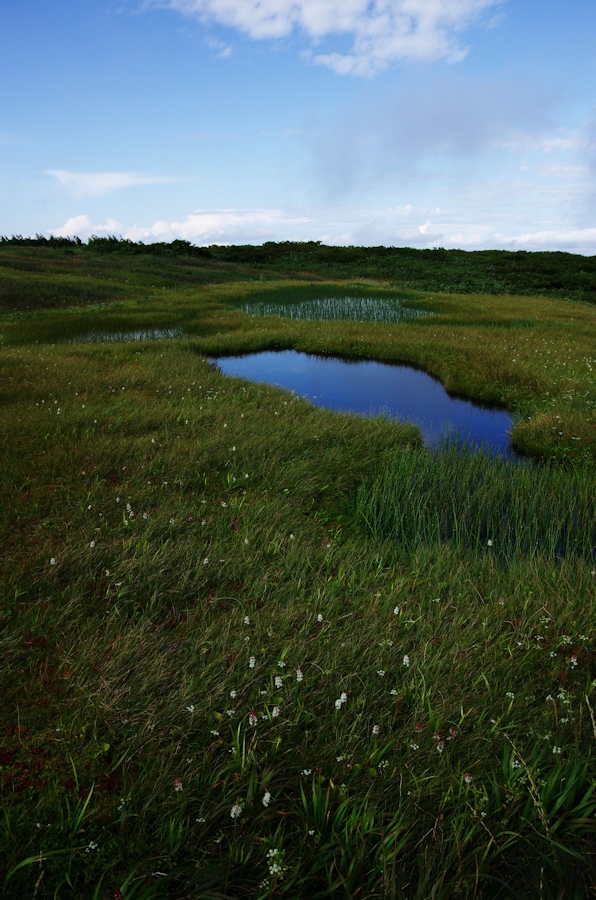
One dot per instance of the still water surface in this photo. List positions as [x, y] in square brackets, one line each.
[370, 388]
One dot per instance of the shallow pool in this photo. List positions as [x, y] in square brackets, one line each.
[371, 388]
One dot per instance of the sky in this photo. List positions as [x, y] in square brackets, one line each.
[424, 123]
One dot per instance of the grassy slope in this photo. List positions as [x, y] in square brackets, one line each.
[120, 658]
[565, 275]
[33, 278]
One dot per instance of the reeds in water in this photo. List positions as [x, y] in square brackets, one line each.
[329, 303]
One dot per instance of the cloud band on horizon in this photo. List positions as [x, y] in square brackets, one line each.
[394, 227]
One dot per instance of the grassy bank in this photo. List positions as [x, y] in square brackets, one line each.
[222, 678]
[535, 356]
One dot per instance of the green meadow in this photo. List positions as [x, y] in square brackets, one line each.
[256, 649]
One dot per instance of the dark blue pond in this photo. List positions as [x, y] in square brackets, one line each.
[370, 388]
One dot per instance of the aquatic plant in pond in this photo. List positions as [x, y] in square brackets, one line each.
[328, 303]
[138, 334]
[358, 309]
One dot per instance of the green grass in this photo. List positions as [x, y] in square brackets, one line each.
[481, 504]
[57, 277]
[152, 506]
[554, 274]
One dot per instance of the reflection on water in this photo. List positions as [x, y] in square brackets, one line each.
[380, 310]
[140, 334]
[371, 388]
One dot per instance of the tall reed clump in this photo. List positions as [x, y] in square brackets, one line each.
[332, 302]
[480, 503]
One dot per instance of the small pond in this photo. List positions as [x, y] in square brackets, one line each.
[370, 388]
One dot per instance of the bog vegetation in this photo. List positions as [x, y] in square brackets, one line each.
[256, 649]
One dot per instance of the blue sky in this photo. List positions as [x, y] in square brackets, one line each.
[454, 123]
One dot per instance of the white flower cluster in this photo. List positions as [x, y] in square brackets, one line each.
[341, 700]
[275, 861]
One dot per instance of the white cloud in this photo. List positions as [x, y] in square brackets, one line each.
[401, 226]
[83, 227]
[223, 226]
[96, 184]
[581, 240]
[237, 226]
[382, 30]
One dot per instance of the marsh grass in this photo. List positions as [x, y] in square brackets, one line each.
[138, 334]
[47, 277]
[479, 503]
[131, 645]
[176, 542]
[335, 302]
